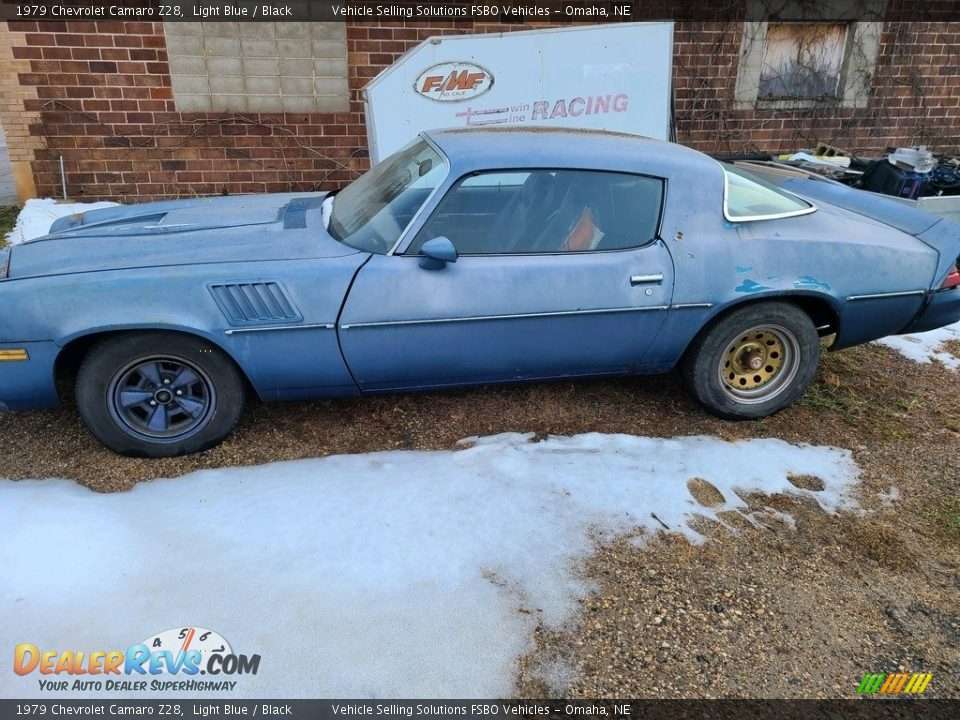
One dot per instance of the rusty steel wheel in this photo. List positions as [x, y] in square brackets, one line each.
[752, 361]
[759, 364]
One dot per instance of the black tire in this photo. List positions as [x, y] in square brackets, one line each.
[753, 362]
[159, 394]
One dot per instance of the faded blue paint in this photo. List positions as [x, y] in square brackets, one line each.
[743, 269]
[808, 282]
[148, 266]
[750, 286]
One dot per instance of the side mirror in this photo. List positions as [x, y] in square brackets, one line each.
[437, 252]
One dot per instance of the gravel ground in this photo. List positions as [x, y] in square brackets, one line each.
[763, 609]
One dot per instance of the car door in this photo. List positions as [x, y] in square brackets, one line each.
[560, 274]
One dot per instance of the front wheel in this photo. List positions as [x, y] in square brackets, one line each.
[158, 394]
[753, 362]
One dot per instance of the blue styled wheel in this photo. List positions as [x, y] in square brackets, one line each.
[162, 398]
[159, 394]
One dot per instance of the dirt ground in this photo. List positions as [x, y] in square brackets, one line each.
[762, 609]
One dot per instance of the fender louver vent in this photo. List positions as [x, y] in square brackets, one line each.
[245, 303]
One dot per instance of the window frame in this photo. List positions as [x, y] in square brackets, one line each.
[864, 34]
[415, 221]
[811, 208]
[489, 171]
[403, 232]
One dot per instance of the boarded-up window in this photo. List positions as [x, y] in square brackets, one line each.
[802, 61]
[258, 66]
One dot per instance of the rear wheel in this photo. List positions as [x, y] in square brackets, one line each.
[753, 362]
[159, 394]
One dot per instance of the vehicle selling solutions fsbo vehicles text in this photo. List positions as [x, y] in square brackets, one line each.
[514, 11]
[399, 11]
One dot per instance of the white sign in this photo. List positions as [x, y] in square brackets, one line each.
[609, 77]
[453, 82]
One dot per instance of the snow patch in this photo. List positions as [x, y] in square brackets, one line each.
[38, 215]
[390, 574]
[926, 347]
[326, 210]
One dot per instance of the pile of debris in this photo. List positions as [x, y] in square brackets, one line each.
[911, 175]
[908, 172]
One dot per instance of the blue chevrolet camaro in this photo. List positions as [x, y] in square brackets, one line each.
[468, 257]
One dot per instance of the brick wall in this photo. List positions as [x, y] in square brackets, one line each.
[99, 94]
[18, 124]
[914, 96]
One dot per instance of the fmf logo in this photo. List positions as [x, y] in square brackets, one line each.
[894, 683]
[453, 81]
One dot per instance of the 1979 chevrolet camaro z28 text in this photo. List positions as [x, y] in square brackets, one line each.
[468, 257]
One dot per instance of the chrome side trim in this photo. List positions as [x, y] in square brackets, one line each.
[874, 296]
[644, 279]
[519, 316]
[273, 328]
[690, 306]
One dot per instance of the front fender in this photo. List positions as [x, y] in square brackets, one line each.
[29, 384]
[300, 355]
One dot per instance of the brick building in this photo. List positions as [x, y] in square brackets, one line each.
[136, 110]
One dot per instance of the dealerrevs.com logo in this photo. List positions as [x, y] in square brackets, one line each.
[168, 661]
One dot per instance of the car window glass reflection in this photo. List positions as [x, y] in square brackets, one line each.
[749, 197]
[547, 211]
[371, 213]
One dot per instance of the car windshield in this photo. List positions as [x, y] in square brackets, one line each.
[747, 197]
[372, 212]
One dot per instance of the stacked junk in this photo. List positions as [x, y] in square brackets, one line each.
[913, 175]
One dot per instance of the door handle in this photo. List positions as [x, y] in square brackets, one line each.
[655, 278]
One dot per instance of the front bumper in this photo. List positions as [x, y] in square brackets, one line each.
[29, 384]
[942, 309]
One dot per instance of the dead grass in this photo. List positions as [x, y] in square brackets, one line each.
[952, 347]
[877, 538]
[946, 516]
[819, 604]
[806, 482]
[8, 218]
[837, 596]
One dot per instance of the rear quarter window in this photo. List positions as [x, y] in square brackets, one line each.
[747, 197]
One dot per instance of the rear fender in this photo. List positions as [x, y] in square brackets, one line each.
[944, 237]
[932, 230]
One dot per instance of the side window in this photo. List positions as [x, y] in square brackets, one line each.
[546, 211]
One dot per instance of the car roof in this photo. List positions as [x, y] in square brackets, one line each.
[471, 149]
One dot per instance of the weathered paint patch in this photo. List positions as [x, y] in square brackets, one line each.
[808, 282]
[744, 269]
[749, 286]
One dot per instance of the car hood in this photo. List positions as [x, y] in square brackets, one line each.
[196, 231]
